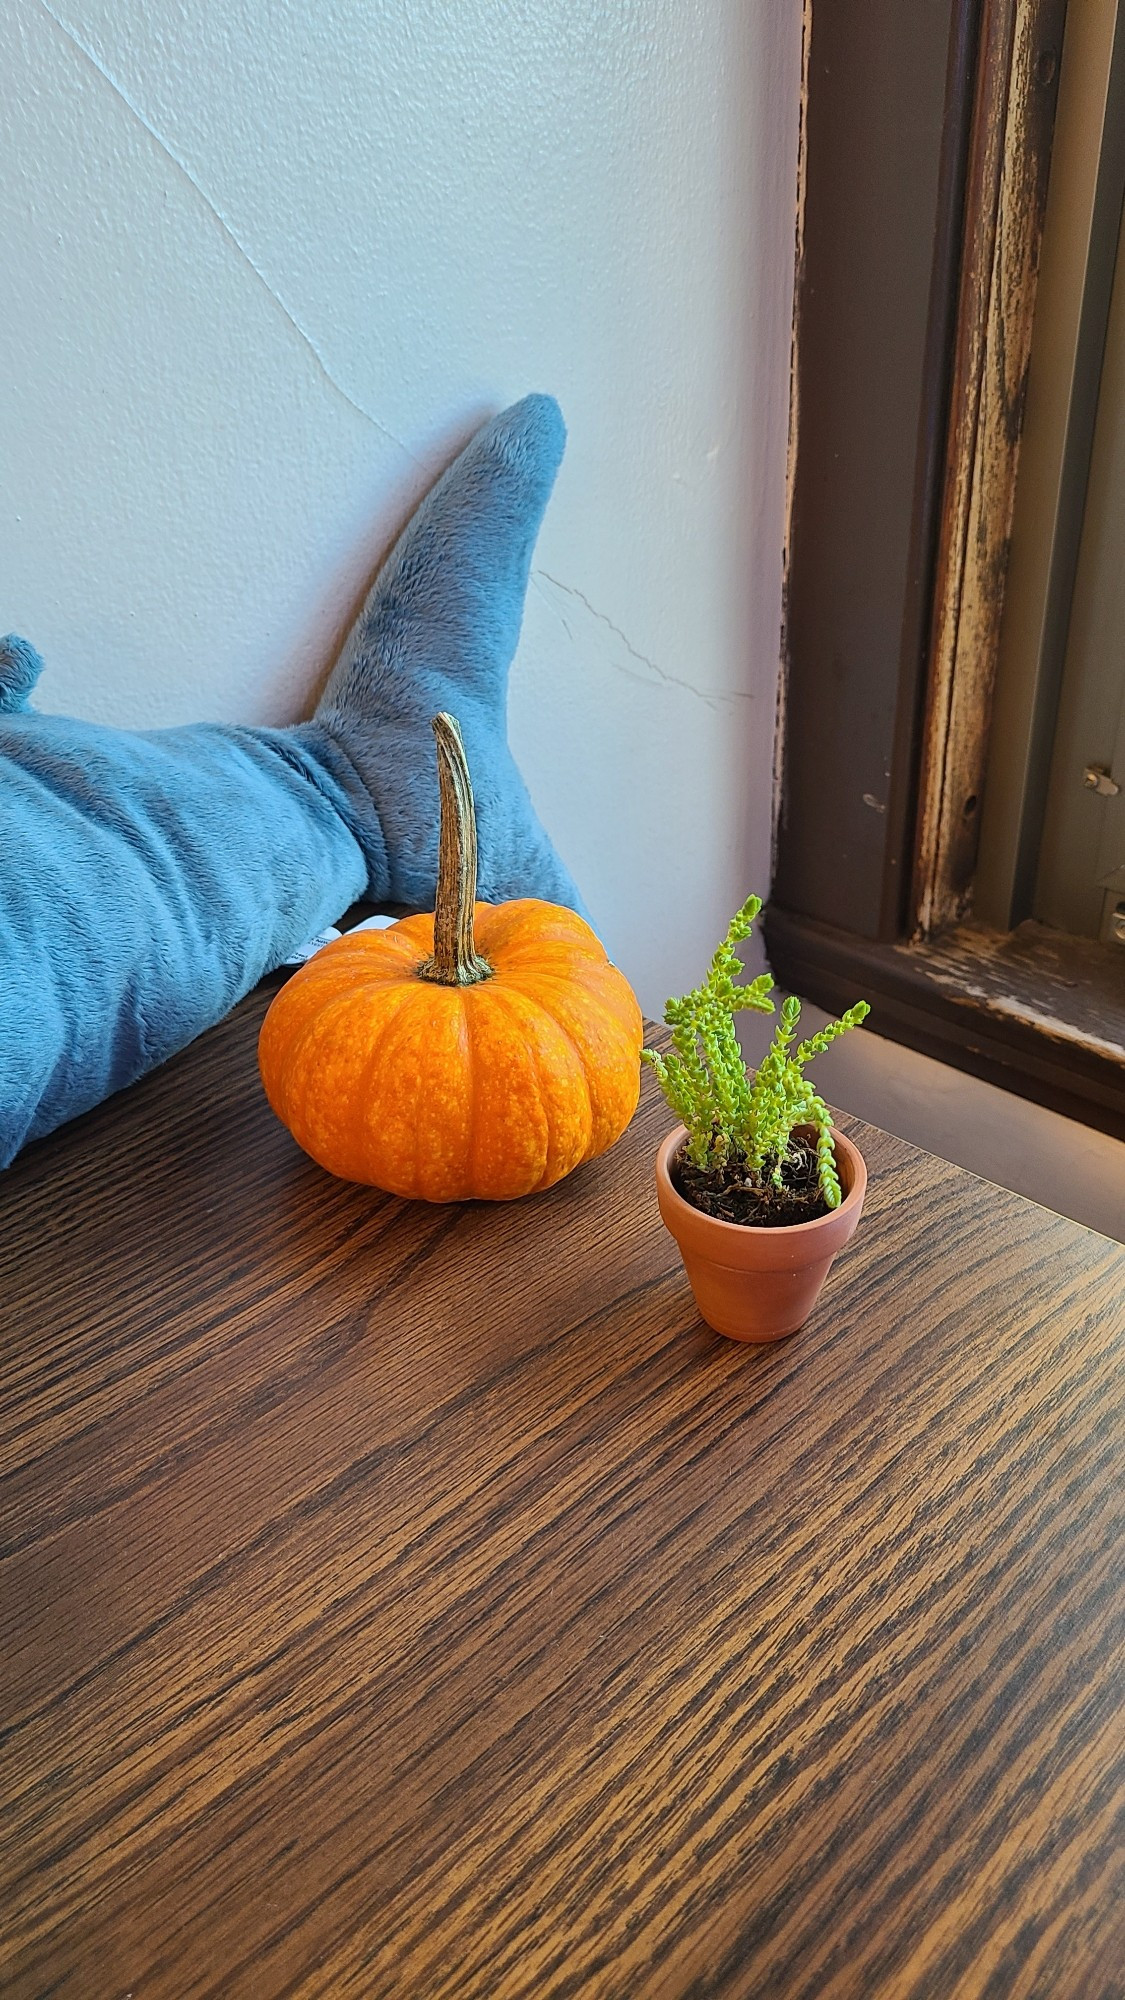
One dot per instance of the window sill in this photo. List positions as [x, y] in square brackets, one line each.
[1034, 1010]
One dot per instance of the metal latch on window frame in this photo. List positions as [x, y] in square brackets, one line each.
[1097, 779]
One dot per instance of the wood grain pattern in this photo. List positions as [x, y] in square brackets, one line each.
[411, 1601]
[1013, 128]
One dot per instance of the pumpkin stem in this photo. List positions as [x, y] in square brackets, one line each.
[456, 961]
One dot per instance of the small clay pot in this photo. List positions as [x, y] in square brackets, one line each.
[759, 1284]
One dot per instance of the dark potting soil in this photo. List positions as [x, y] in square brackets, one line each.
[727, 1193]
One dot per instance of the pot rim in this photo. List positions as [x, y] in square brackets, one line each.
[778, 1232]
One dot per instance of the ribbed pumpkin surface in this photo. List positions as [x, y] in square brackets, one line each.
[447, 1093]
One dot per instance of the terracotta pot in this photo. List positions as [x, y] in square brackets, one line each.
[759, 1284]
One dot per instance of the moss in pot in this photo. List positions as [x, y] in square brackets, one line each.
[756, 1184]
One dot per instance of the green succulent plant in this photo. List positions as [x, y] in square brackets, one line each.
[735, 1117]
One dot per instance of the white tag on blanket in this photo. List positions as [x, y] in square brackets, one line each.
[306, 951]
[309, 950]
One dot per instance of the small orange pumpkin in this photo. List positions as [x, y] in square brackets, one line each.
[482, 1052]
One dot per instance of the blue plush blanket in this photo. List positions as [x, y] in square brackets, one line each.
[149, 879]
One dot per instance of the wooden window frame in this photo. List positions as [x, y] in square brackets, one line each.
[926, 141]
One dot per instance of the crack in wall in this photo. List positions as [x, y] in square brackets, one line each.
[96, 63]
[714, 698]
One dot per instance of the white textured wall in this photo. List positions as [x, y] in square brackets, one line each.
[267, 264]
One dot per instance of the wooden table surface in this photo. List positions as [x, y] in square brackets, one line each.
[413, 1601]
